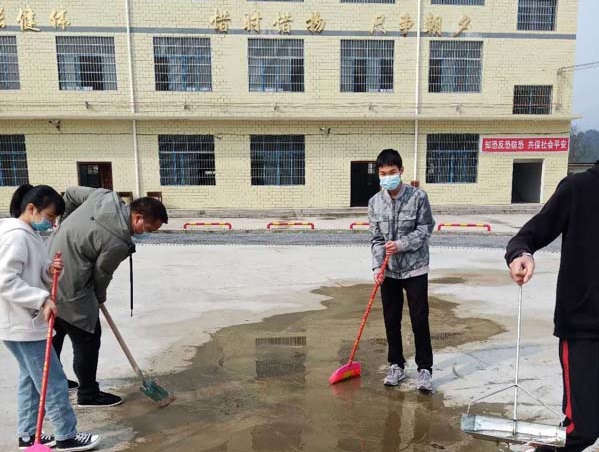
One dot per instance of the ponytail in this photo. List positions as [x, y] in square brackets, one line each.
[41, 196]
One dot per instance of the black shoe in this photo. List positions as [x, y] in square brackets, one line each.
[81, 442]
[101, 399]
[73, 385]
[47, 440]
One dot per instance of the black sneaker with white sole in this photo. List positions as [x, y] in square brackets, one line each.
[101, 399]
[81, 442]
[47, 440]
[73, 385]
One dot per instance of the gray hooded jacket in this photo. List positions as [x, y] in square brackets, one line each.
[94, 238]
[408, 221]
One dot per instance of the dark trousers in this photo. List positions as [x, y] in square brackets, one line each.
[580, 366]
[393, 300]
[86, 349]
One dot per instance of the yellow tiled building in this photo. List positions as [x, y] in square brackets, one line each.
[266, 104]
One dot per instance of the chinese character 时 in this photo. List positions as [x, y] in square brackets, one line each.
[251, 22]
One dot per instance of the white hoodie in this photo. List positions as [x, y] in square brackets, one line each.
[24, 282]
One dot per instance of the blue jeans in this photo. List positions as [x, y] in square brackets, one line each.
[30, 356]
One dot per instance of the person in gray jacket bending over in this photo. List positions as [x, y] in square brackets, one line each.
[401, 222]
[94, 238]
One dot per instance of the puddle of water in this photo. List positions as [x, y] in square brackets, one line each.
[264, 387]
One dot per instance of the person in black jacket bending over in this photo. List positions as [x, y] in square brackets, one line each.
[572, 211]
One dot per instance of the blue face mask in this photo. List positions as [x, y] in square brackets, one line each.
[42, 226]
[390, 182]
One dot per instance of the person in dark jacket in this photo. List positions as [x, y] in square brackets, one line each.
[94, 238]
[573, 212]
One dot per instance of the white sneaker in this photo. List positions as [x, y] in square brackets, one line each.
[425, 381]
[394, 375]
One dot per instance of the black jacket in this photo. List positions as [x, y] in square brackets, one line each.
[573, 211]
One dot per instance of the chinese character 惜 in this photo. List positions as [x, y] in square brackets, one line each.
[59, 19]
[2, 19]
[405, 24]
[26, 19]
[251, 22]
[220, 21]
[433, 25]
[283, 22]
[378, 24]
[463, 25]
[315, 24]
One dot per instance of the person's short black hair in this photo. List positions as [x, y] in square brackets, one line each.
[41, 196]
[150, 208]
[389, 157]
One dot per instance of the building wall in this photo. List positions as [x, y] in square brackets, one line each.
[53, 154]
[97, 127]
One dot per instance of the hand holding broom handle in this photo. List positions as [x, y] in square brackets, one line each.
[368, 308]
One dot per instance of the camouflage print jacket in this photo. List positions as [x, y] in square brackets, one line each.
[408, 221]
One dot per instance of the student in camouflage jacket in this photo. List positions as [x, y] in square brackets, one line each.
[401, 222]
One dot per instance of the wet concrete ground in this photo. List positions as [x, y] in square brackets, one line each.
[263, 387]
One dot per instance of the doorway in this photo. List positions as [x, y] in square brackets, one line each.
[95, 175]
[527, 182]
[364, 183]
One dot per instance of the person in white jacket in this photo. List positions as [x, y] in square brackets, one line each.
[25, 308]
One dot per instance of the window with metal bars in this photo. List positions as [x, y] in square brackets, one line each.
[13, 161]
[367, 1]
[458, 2]
[9, 63]
[455, 66]
[532, 99]
[366, 66]
[276, 65]
[451, 158]
[182, 64]
[278, 159]
[537, 15]
[86, 63]
[186, 159]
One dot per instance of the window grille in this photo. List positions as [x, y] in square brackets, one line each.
[532, 99]
[277, 159]
[276, 65]
[86, 63]
[9, 63]
[186, 159]
[455, 66]
[182, 64]
[452, 158]
[367, 66]
[13, 161]
[537, 15]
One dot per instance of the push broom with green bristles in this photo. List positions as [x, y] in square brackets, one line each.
[150, 388]
[352, 368]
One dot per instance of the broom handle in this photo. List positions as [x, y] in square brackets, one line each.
[368, 308]
[121, 341]
[517, 370]
[42, 406]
